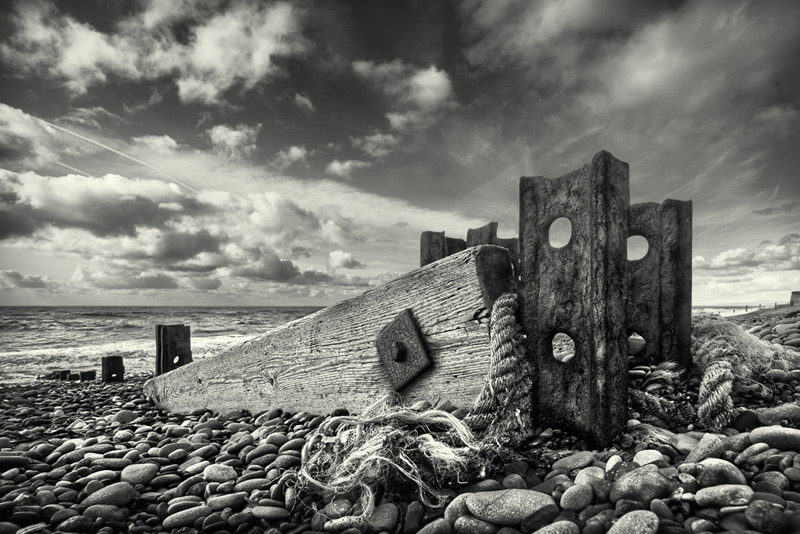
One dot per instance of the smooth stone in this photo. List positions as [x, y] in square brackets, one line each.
[76, 524]
[737, 442]
[577, 497]
[560, 527]
[647, 456]
[186, 518]
[710, 445]
[413, 517]
[540, 517]
[456, 508]
[506, 507]
[746, 421]
[642, 485]
[714, 472]
[472, 525]
[124, 417]
[514, 481]
[439, 526]
[724, 495]
[773, 477]
[579, 460]
[636, 522]
[107, 511]
[228, 500]
[779, 437]
[219, 473]
[270, 512]
[586, 475]
[683, 443]
[382, 518]
[788, 412]
[765, 516]
[118, 494]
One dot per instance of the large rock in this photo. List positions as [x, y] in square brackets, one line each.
[714, 472]
[636, 522]
[724, 495]
[507, 507]
[118, 494]
[786, 439]
[788, 411]
[643, 485]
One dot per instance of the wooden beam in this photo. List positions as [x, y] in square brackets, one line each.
[329, 359]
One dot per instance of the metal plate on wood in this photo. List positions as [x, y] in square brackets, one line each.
[401, 350]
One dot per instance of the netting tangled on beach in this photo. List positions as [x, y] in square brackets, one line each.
[397, 448]
[749, 356]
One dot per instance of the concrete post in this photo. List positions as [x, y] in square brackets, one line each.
[113, 369]
[578, 289]
[173, 347]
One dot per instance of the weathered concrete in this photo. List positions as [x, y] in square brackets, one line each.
[676, 281]
[113, 369]
[173, 347]
[578, 289]
[644, 295]
[795, 299]
[435, 246]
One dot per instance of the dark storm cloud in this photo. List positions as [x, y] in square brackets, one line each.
[12, 279]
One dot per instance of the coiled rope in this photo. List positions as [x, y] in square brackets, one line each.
[714, 403]
[504, 406]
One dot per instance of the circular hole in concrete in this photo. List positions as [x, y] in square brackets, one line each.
[637, 247]
[636, 344]
[560, 232]
[563, 347]
[176, 359]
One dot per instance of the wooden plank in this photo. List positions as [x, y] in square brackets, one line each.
[329, 359]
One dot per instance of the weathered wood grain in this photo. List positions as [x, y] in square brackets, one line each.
[329, 359]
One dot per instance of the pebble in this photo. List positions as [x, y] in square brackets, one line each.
[186, 518]
[714, 471]
[636, 522]
[578, 460]
[506, 507]
[117, 494]
[139, 473]
[560, 527]
[784, 438]
[724, 495]
[642, 485]
[577, 497]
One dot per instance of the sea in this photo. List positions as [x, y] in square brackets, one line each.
[37, 340]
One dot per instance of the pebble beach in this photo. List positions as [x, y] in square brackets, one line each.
[90, 457]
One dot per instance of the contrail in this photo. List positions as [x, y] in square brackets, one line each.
[117, 152]
[73, 169]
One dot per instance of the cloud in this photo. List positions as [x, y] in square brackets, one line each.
[237, 142]
[111, 205]
[378, 145]
[120, 278]
[289, 156]
[24, 141]
[339, 259]
[206, 51]
[417, 94]
[94, 118]
[163, 144]
[303, 102]
[767, 256]
[344, 169]
[14, 279]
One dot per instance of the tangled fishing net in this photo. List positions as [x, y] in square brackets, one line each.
[390, 447]
[728, 357]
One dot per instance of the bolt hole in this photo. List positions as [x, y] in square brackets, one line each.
[176, 359]
[563, 347]
[637, 247]
[560, 232]
[636, 344]
[399, 352]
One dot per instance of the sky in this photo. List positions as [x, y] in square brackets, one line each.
[167, 152]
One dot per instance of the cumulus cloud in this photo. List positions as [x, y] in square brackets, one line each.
[236, 142]
[417, 94]
[13, 279]
[163, 144]
[344, 169]
[289, 156]
[304, 102]
[115, 277]
[767, 256]
[24, 141]
[378, 145]
[339, 259]
[111, 205]
[214, 51]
